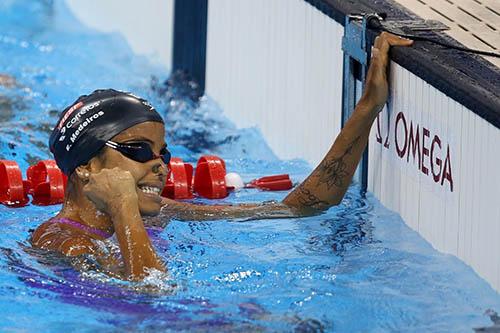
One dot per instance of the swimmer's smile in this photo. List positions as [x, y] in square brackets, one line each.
[151, 191]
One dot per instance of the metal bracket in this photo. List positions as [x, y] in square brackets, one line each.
[355, 57]
[354, 39]
[356, 53]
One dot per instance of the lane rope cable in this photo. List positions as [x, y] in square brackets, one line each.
[374, 21]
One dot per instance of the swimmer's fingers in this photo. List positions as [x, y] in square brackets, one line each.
[109, 187]
[391, 39]
[376, 87]
[383, 43]
[385, 40]
[89, 190]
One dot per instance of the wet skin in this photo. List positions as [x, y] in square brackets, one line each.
[150, 174]
[108, 192]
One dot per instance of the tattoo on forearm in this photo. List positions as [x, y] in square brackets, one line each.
[333, 171]
[308, 199]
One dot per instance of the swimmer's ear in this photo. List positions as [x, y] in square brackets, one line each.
[83, 172]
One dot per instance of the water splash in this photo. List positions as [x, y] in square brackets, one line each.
[198, 123]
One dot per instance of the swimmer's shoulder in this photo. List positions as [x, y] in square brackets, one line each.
[62, 238]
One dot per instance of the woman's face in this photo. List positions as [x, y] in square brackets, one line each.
[150, 177]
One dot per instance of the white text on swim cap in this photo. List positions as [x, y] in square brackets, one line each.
[81, 127]
[80, 113]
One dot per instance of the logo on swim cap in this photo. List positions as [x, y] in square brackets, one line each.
[80, 113]
[68, 113]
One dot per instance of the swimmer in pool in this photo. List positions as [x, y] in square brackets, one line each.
[111, 146]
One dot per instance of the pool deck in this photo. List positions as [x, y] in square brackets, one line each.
[474, 23]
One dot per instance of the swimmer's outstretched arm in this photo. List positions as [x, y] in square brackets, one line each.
[328, 183]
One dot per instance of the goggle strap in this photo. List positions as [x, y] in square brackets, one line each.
[111, 144]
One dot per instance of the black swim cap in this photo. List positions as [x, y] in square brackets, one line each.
[86, 125]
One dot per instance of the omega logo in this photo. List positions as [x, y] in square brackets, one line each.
[412, 141]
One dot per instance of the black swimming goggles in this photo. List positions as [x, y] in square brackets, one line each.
[139, 151]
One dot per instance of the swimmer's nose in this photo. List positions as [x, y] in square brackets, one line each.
[160, 168]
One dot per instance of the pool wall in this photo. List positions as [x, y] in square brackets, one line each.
[283, 76]
[442, 180]
[434, 151]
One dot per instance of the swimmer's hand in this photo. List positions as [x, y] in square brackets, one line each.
[110, 189]
[377, 89]
[113, 191]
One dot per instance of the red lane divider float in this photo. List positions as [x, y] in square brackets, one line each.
[46, 183]
[210, 177]
[13, 190]
[272, 183]
[179, 182]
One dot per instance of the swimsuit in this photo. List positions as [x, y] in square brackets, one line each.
[78, 225]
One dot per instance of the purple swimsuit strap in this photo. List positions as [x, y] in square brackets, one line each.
[78, 225]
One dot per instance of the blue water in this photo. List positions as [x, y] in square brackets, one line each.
[355, 268]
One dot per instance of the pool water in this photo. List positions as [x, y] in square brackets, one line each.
[357, 267]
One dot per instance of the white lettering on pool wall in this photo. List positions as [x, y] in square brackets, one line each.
[419, 146]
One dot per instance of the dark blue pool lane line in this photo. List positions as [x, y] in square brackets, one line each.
[468, 79]
[190, 39]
